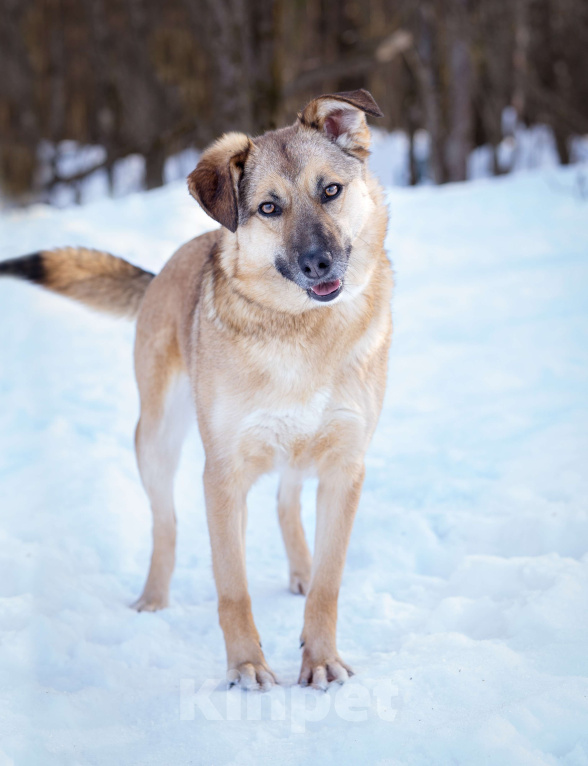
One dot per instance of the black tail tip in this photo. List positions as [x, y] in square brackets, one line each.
[28, 267]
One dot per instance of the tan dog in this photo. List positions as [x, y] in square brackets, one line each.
[277, 326]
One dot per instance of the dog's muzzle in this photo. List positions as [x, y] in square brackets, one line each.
[317, 272]
[316, 265]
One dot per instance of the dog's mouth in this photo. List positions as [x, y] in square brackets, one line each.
[325, 291]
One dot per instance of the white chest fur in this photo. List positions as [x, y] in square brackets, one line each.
[279, 427]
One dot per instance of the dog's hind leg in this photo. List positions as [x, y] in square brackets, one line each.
[165, 416]
[299, 557]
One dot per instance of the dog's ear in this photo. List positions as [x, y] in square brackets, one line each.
[341, 117]
[214, 181]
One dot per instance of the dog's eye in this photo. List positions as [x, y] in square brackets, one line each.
[331, 191]
[268, 208]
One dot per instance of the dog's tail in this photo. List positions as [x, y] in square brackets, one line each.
[100, 280]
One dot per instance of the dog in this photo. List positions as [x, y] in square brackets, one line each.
[276, 327]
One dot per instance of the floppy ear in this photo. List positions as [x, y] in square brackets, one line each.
[214, 181]
[341, 117]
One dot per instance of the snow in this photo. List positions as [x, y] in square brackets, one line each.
[464, 606]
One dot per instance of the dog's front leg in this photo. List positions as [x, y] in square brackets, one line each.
[337, 500]
[226, 511]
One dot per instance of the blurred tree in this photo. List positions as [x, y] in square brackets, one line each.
[146, 77]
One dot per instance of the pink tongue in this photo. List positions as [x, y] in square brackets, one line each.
[327, 287]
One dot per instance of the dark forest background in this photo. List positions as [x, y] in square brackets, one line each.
[156, 76]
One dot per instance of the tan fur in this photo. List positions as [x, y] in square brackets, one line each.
[280, 381]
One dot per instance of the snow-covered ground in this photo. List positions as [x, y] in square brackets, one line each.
[464, 606]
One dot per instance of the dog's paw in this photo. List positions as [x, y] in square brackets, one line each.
[150, 602]
[300, 582]
[251, 677]
[320, 674]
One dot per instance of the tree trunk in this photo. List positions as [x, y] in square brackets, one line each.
[265, 62]
[459, 140]
[154, 163]
[423, 62]
[521, 58]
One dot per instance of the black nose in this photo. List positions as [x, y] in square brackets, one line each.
[315, 263]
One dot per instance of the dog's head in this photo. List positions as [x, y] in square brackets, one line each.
[296, 199]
